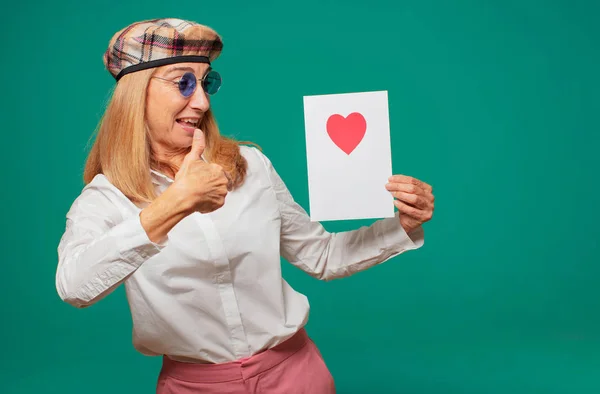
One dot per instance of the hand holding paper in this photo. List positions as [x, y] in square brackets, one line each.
[415, 200]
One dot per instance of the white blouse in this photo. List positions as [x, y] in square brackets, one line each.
[213, 290]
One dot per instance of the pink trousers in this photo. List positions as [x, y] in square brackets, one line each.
[292, 367]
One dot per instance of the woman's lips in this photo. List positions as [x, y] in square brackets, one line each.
[187, 127]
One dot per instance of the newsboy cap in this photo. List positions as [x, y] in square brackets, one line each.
[158, 42]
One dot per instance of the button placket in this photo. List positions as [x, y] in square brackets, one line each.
[223, 279]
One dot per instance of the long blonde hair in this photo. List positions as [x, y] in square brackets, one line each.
[122, 148]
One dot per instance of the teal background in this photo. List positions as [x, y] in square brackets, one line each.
[494, 103]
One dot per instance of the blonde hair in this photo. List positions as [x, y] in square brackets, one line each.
[122, 148]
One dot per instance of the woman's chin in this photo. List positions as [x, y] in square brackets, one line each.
[183, 142]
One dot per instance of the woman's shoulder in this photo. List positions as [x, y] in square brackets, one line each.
[100, 185]
[258, 162]
[99, 197]
[254, 156]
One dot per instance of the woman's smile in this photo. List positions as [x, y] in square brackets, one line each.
[188, 124]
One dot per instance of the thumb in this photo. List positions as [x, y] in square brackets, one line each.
[198, 145]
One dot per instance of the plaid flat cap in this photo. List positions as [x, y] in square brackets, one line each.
[158, 42]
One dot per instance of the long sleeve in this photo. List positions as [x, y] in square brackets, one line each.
[98, 249]
[327, 256]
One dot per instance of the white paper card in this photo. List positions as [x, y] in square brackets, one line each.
[348, 155]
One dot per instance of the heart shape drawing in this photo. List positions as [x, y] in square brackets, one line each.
[348, 132]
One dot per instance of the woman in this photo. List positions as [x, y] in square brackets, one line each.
[194, 225]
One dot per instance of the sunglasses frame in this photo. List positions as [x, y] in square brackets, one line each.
[202, 80]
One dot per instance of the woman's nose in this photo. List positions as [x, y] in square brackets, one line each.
[199, 100]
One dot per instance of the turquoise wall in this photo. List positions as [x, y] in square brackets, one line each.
[494, 103]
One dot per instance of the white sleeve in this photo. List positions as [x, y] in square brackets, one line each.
[327, 256]
[98, 249]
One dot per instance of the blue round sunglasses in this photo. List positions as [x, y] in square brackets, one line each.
[187, 84]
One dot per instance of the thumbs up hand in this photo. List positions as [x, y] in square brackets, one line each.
[203, 185]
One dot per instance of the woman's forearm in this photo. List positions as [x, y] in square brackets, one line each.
[163, 214]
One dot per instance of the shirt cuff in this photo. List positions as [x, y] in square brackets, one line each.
[395, 234]
[133, 243]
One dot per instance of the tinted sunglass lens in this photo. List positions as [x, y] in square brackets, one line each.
[187, 84]
[212, 82]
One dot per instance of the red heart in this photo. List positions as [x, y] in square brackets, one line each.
[347, 132]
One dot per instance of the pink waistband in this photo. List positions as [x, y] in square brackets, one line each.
[235, 370]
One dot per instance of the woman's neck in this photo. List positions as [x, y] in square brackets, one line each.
[167, 162]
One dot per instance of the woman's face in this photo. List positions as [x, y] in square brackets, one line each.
[171, 117]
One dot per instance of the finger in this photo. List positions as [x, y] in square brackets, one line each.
[198, 145]
[405, 179]
[420, 215]
[413, 200]
[406, 188]
[227, 177]
[223, 180]
[229, 181]
[412, 189]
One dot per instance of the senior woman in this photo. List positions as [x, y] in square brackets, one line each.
[194, 224]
